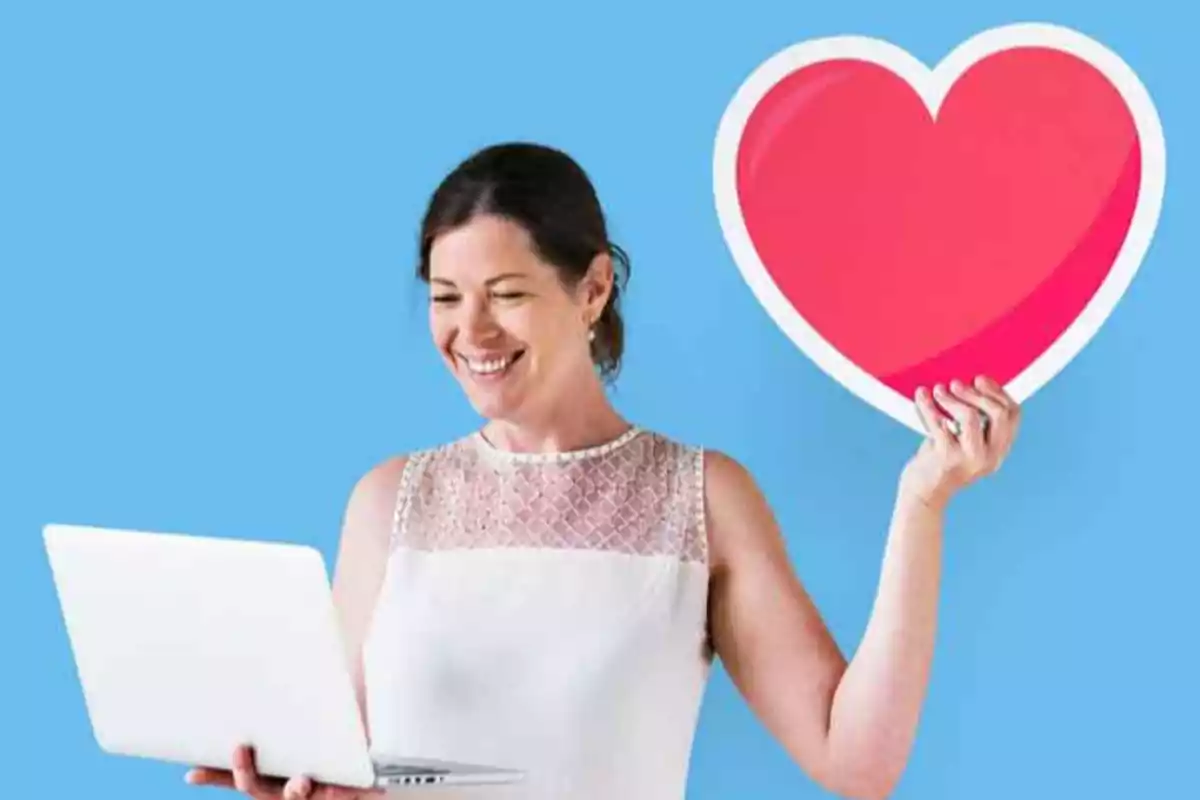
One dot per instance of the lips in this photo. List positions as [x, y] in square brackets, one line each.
[490, 365]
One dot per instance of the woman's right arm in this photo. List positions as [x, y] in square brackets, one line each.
[362, 561]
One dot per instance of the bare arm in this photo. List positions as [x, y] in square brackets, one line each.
[362, 560]
[850, 726]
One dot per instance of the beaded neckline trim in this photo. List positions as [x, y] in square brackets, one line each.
[554, 457]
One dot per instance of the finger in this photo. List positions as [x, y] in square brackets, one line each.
[1009, 419]
[205, 776]
[245, 775]
[933, 420]
[969, 421]
[327, 792]
[991, 407]
[990, 388]
[298, 788]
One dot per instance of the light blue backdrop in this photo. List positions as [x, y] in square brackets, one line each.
[208, 322]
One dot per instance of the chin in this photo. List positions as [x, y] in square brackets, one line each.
[493, 405]
[492, 411]
[496, 400]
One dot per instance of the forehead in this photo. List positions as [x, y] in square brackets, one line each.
[483, 249]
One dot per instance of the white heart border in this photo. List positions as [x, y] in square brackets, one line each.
[932, 86]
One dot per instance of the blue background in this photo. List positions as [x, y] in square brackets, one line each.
[208, 322]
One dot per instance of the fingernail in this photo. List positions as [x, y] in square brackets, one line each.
[956, 385]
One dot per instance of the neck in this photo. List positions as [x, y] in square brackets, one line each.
[584, 419]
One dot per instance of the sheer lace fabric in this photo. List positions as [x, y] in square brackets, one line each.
[641, 494]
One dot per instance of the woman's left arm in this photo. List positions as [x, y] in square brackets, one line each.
[850, 726]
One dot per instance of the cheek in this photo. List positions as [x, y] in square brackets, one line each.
[549, 332]
[439, 329]
[519, 323]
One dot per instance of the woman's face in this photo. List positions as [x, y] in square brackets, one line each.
[508, 329]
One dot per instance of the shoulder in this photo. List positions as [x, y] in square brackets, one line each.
[730, 490]
[739, 520]
[723, 478]
[377, 491]
[373, 495]
[735, 513]
[723, 475]
[388, 476]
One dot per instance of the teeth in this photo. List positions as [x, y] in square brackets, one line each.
[490, 366]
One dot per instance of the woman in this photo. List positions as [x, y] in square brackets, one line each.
[548, 591]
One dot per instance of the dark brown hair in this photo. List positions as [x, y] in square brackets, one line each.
[547, 193]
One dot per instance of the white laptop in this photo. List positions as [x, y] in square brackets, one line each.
[188, 646]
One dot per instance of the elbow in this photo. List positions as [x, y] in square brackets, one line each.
[864, 781]
[862, 788]
[872, 790]
[865, 767]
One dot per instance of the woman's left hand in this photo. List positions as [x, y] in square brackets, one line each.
[970, 435]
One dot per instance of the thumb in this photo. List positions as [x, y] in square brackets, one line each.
[298, 788]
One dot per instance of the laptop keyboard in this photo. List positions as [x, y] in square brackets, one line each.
[405, 769]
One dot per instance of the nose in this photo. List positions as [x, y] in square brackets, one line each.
[476, 323]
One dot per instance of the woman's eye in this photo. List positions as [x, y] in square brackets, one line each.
[509, 295]
[443, 298]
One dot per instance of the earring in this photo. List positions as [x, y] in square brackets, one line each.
[591, 334]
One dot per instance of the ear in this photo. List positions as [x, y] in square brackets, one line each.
[596, 286]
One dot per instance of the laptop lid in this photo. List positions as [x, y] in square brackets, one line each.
[187, 646]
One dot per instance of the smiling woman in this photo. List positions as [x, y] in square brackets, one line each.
[525, 283]
[546, 593]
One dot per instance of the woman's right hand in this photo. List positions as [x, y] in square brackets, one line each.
[244, 778]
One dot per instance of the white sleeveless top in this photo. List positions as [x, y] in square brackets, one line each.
[546, 612]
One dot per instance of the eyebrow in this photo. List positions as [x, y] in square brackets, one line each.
[488, 282]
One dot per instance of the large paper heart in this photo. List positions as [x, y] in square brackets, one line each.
[906, 226]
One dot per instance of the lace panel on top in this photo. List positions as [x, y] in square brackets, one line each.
[640, 494]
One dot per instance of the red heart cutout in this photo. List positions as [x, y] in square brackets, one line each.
[907, 226]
